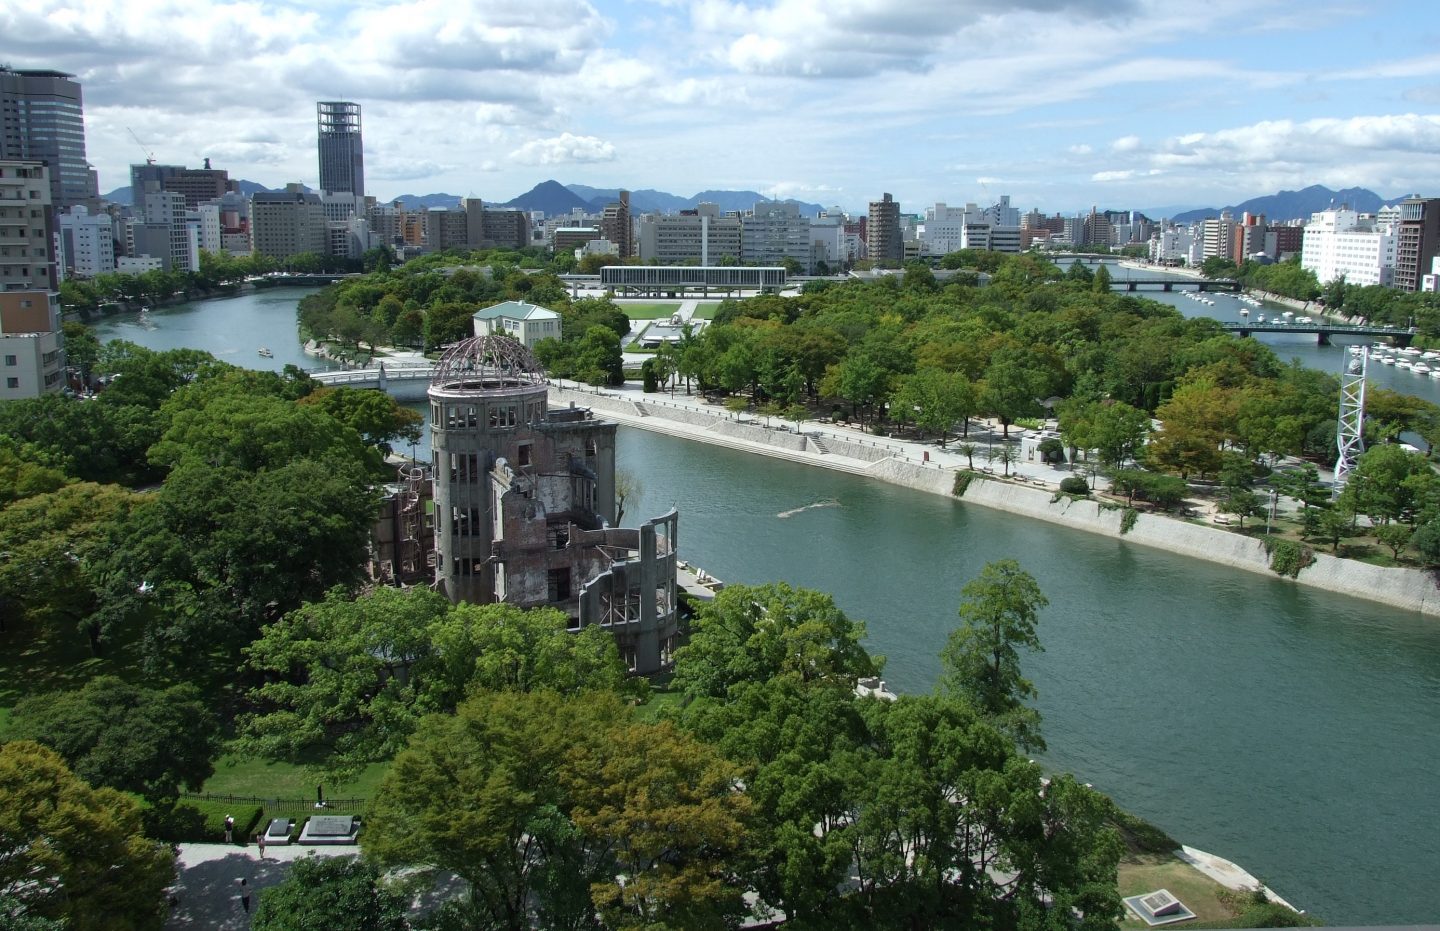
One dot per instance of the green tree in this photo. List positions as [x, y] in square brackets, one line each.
[74, 853]
[374, 415]
[1394, 537]
[981, 659]
[1014, 385]
[482, 793]
[663, 821]
[756, 633]
[335, 893]
[938, 399]
[148, 741]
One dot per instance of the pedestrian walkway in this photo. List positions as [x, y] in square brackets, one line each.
[207, 891]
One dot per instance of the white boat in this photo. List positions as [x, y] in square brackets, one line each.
[1403, 363]
[1355, 350]
[265, 352]
[1244, 313]
[1435, 373]
[1420, 368]
[1387, 360]
[1429, 354]
[1408, 351]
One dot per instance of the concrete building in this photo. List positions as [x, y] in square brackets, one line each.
[206, 221]
[1417, 240]
[774, 231]
[32, 356]
[674, 280]
[87, 243]
[1341, 243]
[26, 227]
[504, 228]
[196, 185]
[138, 264]
[1430, 282]
[1217, 236]
[171, 238]
[288, 223]
[341, 148]
[525, 323]
[42, 118]
[570, 238]
[884, 243]
[616, 226]
[525, 499]
[700, 235]
[1176, 245]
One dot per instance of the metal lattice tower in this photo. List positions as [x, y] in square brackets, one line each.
[1349, 435]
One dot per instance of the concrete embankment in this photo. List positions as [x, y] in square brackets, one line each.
[1407, 589]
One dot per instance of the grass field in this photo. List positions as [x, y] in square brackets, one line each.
[1144, 873]
[649, 311]
[705, 310]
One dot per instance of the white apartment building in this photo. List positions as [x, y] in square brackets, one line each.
[138, 264]
[87, 242]
[1177, 245]
[948, 229]
[1342, 243]
[166, 209]
[205, 219]
[1217, 237]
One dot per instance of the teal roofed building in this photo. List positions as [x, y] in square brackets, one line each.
[527, 323]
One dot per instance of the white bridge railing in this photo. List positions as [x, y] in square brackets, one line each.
[409, 371]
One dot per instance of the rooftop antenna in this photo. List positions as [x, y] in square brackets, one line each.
[149, 155]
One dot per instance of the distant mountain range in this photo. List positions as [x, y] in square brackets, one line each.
[1295, 205]
[555, 199]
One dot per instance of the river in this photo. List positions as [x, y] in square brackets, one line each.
[1287, 729]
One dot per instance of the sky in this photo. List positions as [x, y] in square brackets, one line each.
[1062, 104]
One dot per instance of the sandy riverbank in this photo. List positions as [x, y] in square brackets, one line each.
[915, 466]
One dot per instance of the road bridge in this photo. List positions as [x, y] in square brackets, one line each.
[1176, 284]
[392, 377]
[1322, 330]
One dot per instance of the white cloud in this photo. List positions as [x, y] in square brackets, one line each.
[1125, 144]
[564, 149]
[1081, 149]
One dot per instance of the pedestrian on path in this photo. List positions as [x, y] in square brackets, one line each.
[260, 842]
[229, 829]
[244, 896]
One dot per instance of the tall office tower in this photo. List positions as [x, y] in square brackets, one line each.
[885, 242]
[1417, 240]
[42, 119]
[342, 161]
[615, 225]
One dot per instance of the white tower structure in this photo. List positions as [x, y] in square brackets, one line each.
[1349, 436]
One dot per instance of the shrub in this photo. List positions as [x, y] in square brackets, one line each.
[1074, 485]
[962, 482]
[1288, 557]
[1127, 520]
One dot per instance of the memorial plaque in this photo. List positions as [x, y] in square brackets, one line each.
[331, 826]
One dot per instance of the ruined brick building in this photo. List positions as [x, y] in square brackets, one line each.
[524, 496]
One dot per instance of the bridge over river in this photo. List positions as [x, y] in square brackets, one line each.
[1322, 330]
[397, 378]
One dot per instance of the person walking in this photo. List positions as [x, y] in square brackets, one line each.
[229, 829]
[244, 896]
[260, 842]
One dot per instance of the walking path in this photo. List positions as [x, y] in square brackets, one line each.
[1228, 874]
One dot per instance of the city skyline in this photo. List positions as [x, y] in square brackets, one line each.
[1060, 103]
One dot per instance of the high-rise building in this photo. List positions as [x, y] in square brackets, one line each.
[775, 231]
[342, 160]
[615, 225]
[1417, 241]
[1344, 244]
[42, 119]
[701, 235]
[884, 240]
[87, 243]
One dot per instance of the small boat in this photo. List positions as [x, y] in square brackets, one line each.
[1408, 351]
[265, 352]
[1429, 354]
[1244, 313]
[1420, 368]
[1403, 363]
[1435, 373]
[1387, 360]
[1356, 350]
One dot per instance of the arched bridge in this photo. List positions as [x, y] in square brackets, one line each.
[1323, 331]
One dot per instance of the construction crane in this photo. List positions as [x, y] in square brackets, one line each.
[149, 155]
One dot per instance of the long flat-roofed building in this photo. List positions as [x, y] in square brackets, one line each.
[673, 279]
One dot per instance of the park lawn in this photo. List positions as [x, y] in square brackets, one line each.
[1147, 872]
[705, 310]
[660, 703]
[252, 777]
[649, 311]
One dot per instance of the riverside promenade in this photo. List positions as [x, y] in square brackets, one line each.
[1030, 490]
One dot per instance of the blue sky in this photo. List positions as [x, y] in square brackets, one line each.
[1059, 103]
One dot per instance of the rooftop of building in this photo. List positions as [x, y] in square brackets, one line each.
[516, 310]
